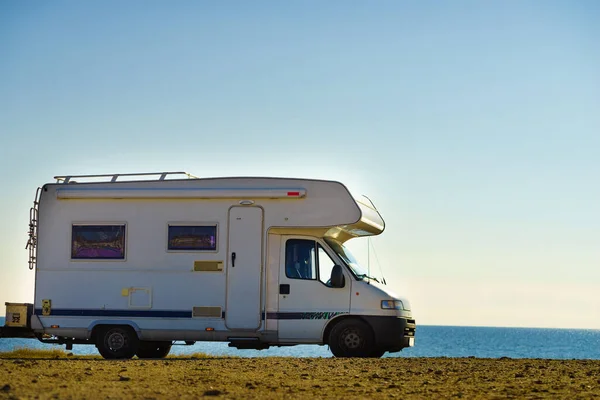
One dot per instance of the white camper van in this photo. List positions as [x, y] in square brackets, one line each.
[135, 262]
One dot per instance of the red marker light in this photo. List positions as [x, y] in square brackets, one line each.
[293, 193]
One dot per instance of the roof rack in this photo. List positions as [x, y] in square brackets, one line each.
[114, 177]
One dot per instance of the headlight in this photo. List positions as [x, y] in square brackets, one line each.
[392, 304]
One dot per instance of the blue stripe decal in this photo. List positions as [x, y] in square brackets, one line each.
[304, 315]
[68, 312]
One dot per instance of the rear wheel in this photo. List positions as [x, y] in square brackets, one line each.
[153, 349]
[351, 338]
[117, 342]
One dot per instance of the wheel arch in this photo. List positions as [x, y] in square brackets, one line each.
[94, 327]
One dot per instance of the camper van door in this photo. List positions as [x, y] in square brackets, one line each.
[307, 301]
[244, 268]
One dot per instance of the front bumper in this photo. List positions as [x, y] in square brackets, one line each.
[392, 333]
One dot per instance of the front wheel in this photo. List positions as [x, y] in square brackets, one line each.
[351, 338]
[377, 353]
[154, 349]
[117, 342]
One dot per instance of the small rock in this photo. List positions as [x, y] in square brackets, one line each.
[18, 362]
[212, 393]
[5, 388]
[375, 376]
[438, 372]
[34, 381]
[88, 368]
[124, 378]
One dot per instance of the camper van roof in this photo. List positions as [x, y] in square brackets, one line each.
[330, 203]
[160, 176]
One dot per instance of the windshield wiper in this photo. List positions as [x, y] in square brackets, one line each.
[361, 276]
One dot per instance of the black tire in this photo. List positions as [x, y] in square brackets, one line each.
[153, 349]
[117, 342]
[377, 353]
[351, 338]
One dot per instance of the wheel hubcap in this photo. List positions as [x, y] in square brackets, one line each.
[116, 341]
[352, 339]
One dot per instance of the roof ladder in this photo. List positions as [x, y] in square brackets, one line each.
[33, 228]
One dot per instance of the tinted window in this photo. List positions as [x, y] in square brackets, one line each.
[98, 242]
[300, 260]
[186, 237]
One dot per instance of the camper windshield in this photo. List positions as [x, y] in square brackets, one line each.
[345, 254]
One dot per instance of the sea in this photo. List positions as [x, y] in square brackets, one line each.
[430, 341]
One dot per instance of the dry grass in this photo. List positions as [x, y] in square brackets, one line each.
[195, 356]
[26, 353]
[299, 378]
[53, 354]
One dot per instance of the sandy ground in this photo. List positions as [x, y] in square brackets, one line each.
[238, 378]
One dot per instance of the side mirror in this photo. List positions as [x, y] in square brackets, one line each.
[337, 277]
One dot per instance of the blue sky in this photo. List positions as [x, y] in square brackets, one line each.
[473, 126]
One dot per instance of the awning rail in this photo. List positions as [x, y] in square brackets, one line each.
[113, 177]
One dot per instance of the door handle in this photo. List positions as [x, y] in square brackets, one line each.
[233, 259]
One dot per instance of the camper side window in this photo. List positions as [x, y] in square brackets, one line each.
[98, 242]
[192, 237]
[300, 260]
